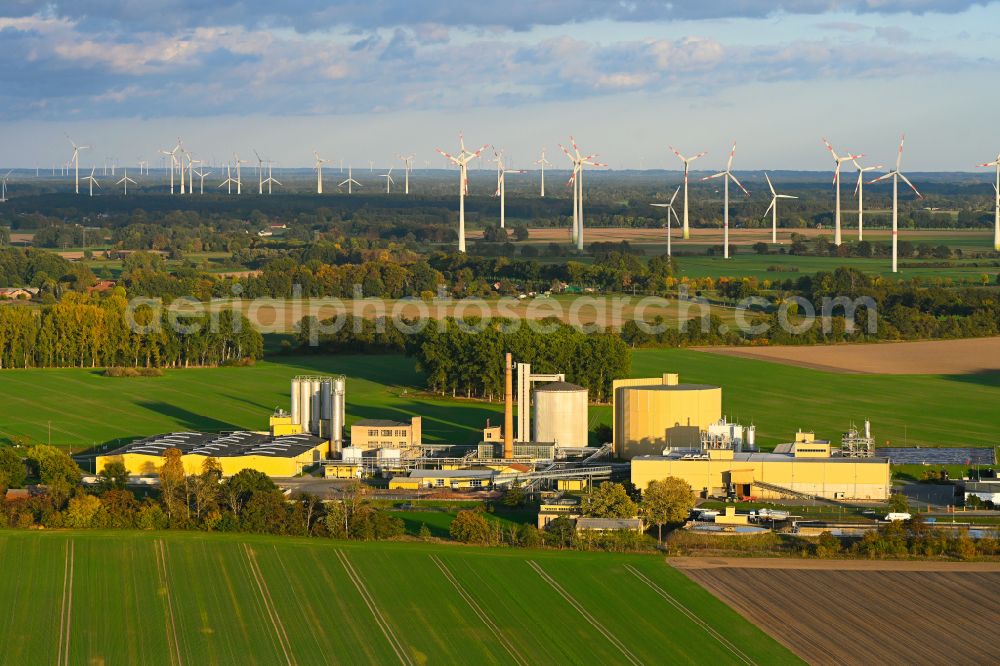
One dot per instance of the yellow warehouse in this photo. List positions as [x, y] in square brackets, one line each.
[652, 414]
[718, 473]
[281, 456]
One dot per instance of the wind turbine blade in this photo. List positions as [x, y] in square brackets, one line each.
[832, 152]
[785, 196]
[769, 207]
[899, 155]
[735, 180]
[861, 175]
[907, 181]
[660, 205]
[882, 177]
[675, 194]
[732, 154]
[769, 184]
[715, 175]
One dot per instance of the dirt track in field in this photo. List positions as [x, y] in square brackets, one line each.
[863, 612]
[930, 357]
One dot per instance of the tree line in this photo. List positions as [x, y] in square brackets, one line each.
[82, 331]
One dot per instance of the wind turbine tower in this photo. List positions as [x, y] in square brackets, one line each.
[773, 208]
[687, 164]
[896, 174]
[270, 180]
[859, 191]
[229, 179]
[319, 172]
[125, 180]
[579, 161]
[76, 161]
[201, 173]
[93, 181]
[462, 161]
[388, 181]
[407, 167]
[3, 187]
[350, 180]
[501, 192]
[726, 176]
[996, 206]
[839, 160]
[542, 163]
[670, 211]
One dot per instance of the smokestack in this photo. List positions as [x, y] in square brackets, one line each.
[508, 410]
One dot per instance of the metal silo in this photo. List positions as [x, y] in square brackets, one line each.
[314, 410]
[305, 403]
[295, 401]
[326, 408]
[338, 409]
[560, 414]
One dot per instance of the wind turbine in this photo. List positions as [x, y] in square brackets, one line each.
[76, 161]
[3, 187]
[687, 163]
[859, 191]
[726, 176]
[773, 208]
[388, 180]
[201, 173]
[143, 166]
[579, 161]
[543, 163]
[229, 179]
[462, 161]
[407, 167]
[996, 209]
[260, 172]
[239, 174]
[93, 181]
[670, 211]
[125, 180]
[270, 180]
[896, 174]
[319, 172]
[502, 183]
[836, 181]
[350, 180]
[172, 154]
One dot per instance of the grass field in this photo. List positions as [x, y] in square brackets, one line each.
[181, 598]
[87, 409]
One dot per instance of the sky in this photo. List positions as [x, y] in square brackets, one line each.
[367, 80]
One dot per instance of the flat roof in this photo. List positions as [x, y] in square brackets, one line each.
[381, 423]
[222, 445]
[671, 387]
[452, 473]
[766, 457]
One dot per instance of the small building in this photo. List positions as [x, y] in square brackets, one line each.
[102, 286]
[987, 490]
[564, 507]
[369, 434]
[730, 517]
[18, 293]
[609, 524]
[455, 479]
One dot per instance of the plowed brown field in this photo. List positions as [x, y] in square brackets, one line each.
[863, 612]
[930, 357]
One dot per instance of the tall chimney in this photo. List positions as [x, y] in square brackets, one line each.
[508, 410]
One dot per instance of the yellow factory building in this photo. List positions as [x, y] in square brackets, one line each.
[719, 473]
[277, 456]
[652, 414]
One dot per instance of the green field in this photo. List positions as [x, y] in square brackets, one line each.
[86, 409]
[184, 598]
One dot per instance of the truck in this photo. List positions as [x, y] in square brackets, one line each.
[897, 516]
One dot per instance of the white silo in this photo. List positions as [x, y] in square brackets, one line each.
[295, 401]
[560, 414]
[305, 404]
[339, 409]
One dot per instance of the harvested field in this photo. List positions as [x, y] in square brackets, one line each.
[928, 357]
[863, 612]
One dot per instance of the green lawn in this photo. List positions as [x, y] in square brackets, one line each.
[167, 598]
[86, 409]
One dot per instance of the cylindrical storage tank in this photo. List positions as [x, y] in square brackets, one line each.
[305, 403]
[326, 408]
[295, 401]
[751, 438]
[315, 413]
[339, 398]
[560, 414]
